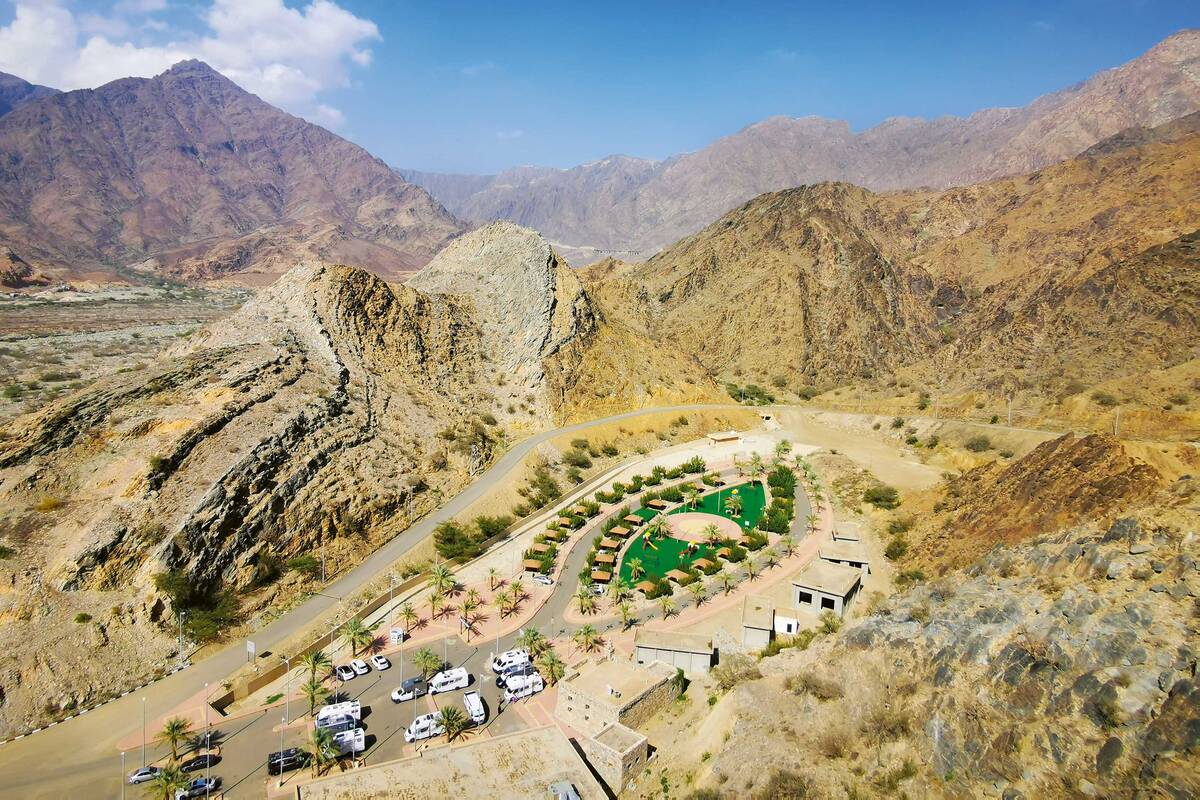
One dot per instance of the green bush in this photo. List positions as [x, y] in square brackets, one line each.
[898, 423]
[455, 542]
[305, 564]
[900, 525]
[896, 548]
[882, 496]
[1105, 399]
[610, 449]
[83, 617]
[577, 458]
[977, 444]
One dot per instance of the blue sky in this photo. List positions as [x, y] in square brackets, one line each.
[475, 87]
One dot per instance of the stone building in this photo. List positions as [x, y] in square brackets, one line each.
[825, 586]
[688, 651]
[617, 753]
[614, 692]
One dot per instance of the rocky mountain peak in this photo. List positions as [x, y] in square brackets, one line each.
[529, 302]
[15, 92]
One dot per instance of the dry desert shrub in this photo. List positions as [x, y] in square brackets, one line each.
[835, 743]
[735, 669]
[813, 684]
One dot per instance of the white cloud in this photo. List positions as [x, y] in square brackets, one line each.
[287, 56]
[515, 133]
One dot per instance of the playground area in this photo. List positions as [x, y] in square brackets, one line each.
[685, 542]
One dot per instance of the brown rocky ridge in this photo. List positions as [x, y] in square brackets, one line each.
[309, 417]
[630, 204]
[187, 174]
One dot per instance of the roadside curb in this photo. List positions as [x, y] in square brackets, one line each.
[81, 712]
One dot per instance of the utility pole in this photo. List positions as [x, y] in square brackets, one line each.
[287, 698]
[143, 730]
[1117, 423]
[207, 744]
[1010, 411]
[179, 618]
[322, 561]
[123, 775]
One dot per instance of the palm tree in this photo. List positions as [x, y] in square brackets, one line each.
[409, 615]
[534, 641]
[697, 590]
[811, 519]
[625, 610]
[788, 543]
[316, 661]
[757, 467]
[167, 782]
[782, 449]
[657, 528]
[517, 587]
[174, 731]
[314, 692]
[503, 601]
[493, 577]
[733, 504]
[751, 569]
[437, 602]
[322, 747]
[469, 607]
[667, 603]
[727, 580]
[712, 534]
[587, 638]
[358, 634]
[441, 578]
[453, 720]
[636, 570]
[551, 666]
[618, 590]
[586, 600]
[691, 496]
[426, 661]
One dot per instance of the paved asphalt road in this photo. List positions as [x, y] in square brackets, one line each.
[79, 758]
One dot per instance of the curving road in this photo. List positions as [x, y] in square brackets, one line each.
[79, 758]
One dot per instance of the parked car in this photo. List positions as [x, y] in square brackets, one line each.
[344, 672]
[348, 708]
[518, 688]
[475, 710]
[336, 723]
[449, 680]
[509, 658]
[519, 670]
[359, 666]
[597, 589]
[143, 775]
[397, 635]
[543, 579]
[380, 662]
[199, 762]
[347, 742]
[425, 726]
[198, 788]
[409, 689]
[283, 761]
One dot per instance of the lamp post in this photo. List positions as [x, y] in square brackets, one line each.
[143, 730]
[179, 619]
[287, 696]
[207, 743]
[122, 775]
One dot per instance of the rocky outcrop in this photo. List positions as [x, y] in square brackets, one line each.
[17, 273]
[15, 92]
[1065, 481]
[1039, 671]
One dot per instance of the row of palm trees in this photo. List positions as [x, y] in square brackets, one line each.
[170, 779]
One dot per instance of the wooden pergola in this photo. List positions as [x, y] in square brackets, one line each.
[540, 547]
[605, 558]
[601, 576]
[657, 503]
[645, 586]
[723, 552]
[531, 565]
[610, 544]
[634, 520]
[702, 563]
[620, 532]
[676, 575]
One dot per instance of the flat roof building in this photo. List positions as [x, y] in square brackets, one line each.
[617, 753]
[825, 586]
[846, 532]
[848, 553]
[614, 692]
[688, 651]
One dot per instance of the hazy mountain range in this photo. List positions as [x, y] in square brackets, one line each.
[636, 206]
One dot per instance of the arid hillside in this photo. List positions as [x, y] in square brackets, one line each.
[310, 417]
[1057, 662]
[630, 204]
[187, 174]
[1081, 272]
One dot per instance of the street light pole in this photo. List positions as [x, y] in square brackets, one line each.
[287, 698]
[122, 775]
[207, 743]
[143, 730]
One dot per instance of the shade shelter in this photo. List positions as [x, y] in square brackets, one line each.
[531, 565]
[605, 558]
[677, 575]
[609, 544]
[620, 532]
[601, 575]
[645, 586]
[657, 504]
[632, 520]
[540, 547]
[702, 563]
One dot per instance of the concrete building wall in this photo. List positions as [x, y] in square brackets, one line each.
[583, 712]
[641, 709]
[617, 768]
[755, 638]
[819, 601]
[691, 663]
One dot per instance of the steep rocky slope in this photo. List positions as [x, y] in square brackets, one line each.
[1062, 664]
[1017, 280]
[14, 92]
[187, 173]
[17, 273]
[628, 204]
[309, 418]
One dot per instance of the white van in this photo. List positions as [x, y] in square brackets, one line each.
[337, 723]
[517, 688]
[348, 742]
[350, 708]
[449, 680]
[425, 726]
[508, 659]
[474, 705]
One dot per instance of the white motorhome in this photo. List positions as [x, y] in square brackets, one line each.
[348, 742]
[475, 710]
[350, 708]
[521, 686]
[425, 726]
[509, 659]
[449, 680]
